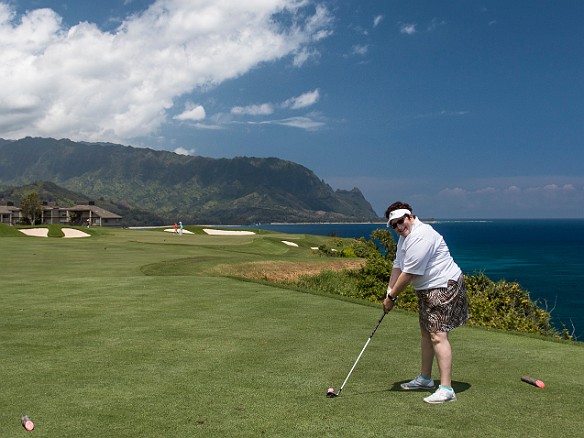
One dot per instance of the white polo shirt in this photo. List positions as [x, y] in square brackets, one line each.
[425, 254]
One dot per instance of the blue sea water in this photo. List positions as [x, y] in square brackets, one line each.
[544, 256]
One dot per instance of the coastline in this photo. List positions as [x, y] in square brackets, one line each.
[547, 265]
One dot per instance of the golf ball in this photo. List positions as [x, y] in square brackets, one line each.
[331, 390]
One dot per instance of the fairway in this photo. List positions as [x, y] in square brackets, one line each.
[134, 334]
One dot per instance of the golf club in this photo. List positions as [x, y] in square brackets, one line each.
[331, 391]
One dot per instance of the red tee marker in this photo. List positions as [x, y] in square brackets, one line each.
[27, 423]
[532, 381]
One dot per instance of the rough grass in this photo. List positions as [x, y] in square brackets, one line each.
[284, 271]
[92, 347]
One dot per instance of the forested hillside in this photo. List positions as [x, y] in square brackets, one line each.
[174, 187]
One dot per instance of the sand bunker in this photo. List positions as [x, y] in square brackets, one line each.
[44, 232]
[72, 233]
[212, 232]
[171, 230]
[36, 232]
[285, 242]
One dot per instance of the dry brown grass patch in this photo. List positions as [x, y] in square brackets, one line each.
[285, 272]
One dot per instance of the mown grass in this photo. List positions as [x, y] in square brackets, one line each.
[132, 333]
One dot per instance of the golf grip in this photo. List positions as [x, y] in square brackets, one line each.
[362, 351]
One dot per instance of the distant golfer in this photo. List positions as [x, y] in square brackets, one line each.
[180, 228]
[423, 259]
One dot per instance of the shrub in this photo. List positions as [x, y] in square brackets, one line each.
[360, 248]
[373, 277]
[502, 305]
[505, 305]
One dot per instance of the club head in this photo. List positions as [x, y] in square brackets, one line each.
[331, 394]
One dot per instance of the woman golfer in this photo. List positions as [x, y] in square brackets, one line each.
[423, 259]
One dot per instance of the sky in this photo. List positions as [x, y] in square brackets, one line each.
[462, 108]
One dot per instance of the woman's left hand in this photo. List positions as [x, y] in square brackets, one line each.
[388, 305]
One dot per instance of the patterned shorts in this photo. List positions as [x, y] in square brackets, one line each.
[445, 308]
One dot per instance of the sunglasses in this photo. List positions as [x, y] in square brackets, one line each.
[399, 222]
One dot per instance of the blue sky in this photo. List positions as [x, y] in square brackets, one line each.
[465, 109]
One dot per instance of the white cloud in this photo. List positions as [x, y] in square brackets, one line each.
[307, 123]
[304, 55]
[512, 190]
[209, 127]
[547, 189]
[87, 84]
[360, 50]
[412, 28]
[183, 151]
[319, 24]
[486, 190]
[554, 188]
[547, 200]
[253, 110]
[408, 29]
[377, 20]
[196, 113]
[456, 191]
[501, 197]
[303, 101]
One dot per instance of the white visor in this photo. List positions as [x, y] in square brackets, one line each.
[396, 214]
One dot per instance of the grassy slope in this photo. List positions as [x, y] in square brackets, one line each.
[93, 347]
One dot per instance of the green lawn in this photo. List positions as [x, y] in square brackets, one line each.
[128, 334]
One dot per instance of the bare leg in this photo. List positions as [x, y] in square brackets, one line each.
[443, 352]
[427, 353]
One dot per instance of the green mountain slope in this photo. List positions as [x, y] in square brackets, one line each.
[190, 188]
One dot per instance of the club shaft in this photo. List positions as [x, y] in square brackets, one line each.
[362, 351]
[355, 364]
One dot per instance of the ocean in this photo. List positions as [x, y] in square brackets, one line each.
[546, 257]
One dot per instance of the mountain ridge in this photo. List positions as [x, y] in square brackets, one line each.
[193, 189]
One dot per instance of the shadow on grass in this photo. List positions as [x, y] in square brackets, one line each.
[457, 386]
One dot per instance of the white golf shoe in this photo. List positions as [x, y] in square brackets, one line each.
[442, 395]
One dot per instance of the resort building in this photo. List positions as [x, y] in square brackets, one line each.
[9, 214]
[80, 215]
